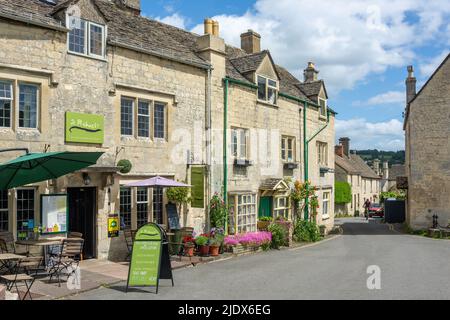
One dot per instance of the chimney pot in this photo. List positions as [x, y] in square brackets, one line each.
[251, 42]
[310, 73]
[215, 28]
[208, 25]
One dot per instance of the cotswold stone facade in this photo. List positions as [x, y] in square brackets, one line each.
[428, 149]
[161, 93]
[365, 183]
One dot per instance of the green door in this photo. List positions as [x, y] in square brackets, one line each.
[265, 207]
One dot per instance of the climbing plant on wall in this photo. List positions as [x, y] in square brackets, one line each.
[342, 193]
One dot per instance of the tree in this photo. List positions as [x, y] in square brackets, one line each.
[179, 196]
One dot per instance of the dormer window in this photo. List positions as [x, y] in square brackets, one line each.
[267, 90]
[323, 108]
[86, 38]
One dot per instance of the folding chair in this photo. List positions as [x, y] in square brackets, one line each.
[68, 259]
[21, 277]
[129, 239]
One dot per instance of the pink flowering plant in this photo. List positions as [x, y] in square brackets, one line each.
[253, 239]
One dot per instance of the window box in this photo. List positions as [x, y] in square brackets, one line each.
[242, 163]
[290, 165]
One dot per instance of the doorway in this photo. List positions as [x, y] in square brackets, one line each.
[82, 217]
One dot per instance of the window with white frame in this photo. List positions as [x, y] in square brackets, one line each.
[126, 116]
[25, 211]
[6, 98]
[28, 105]
[288, 149]
[267, 89]
[244, 212]
[86, 37]
[281, 207]
[4, 221]
[125, 207]
[323, 107]
[159, 120]
[144, 119]
[239, 143]
[326, 203]
[322, 153]
[142, 206]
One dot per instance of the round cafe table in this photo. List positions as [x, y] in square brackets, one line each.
[45, 243]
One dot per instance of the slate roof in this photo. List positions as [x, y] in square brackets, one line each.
[355, 165]
[311, 89]
[397, 170]
[155, 38]
[270, 184]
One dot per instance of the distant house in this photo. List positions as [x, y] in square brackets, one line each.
[390, 175]
[427, 129]
[364, 181]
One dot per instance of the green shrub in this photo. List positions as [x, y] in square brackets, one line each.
[278, 235]
[125, 166]
[306, 231]
[343, 192]
[265, 219]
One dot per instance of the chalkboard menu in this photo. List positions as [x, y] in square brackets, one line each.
[172, 216]
[150, 259]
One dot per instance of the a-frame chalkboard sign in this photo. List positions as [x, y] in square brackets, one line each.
[150, 260]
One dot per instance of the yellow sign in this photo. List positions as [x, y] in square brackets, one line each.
[113, 226]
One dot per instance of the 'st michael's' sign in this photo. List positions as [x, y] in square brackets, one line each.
[85, 128]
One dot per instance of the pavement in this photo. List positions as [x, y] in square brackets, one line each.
[410, 267]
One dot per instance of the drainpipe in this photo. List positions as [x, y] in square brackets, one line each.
[209, 138]
[227, 82]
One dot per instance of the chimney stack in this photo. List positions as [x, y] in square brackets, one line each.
[310, 73]
[251, 42]
[385, 170]
[410, 85]
[345, 143]
[376, 166]
[339, 150]
[133, 6]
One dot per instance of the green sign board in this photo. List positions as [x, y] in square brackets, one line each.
[85, 128]
[150, 259]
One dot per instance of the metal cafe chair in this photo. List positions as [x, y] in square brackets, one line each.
[68, 259]
[21, 276]
[129, 235]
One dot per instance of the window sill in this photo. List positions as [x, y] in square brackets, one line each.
[266, 103]
[323, 118]
[87, 56]
[28, 130]
[325, 217]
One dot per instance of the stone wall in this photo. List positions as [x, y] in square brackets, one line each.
[428, 153]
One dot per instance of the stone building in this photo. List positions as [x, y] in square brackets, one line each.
[365, 183]
[427, 133]
[159, 94]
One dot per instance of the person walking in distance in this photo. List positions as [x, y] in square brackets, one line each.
[366, 208]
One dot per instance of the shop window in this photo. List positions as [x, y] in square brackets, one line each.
[126, 116]
[239, 143]
[86, 38]
[143, 119]
[326, 204]
[28, 106]
[322, 153]
[125, 207]
[25, 211]
[198, 187]
[159, 120]
[287, 149]
[4, 221]
[142, 206]
[158, 206]
[6, 97]
[267, 90]
[281, 208]
[244, 212]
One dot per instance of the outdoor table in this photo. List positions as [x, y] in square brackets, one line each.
[6, 258]
[45, 243]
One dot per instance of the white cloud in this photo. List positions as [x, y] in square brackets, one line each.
[387, 135]
[390, 97]
[430, 65]
[348, 40]
[175, 20]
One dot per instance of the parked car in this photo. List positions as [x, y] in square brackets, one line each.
[376, 210]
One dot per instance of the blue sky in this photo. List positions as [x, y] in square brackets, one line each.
[361, 48]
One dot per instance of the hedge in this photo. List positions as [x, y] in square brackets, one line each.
[342, 193]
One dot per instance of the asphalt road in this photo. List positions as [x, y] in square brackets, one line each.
[411, 267]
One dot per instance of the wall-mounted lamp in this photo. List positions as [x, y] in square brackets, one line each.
[86, 179]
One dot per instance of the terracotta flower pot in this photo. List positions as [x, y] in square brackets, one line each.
[203, 250]
[214, 251]
[188, 250]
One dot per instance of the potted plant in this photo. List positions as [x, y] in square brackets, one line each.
[202, 242]
[189, 246]
[214, 246]
[263, 223]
